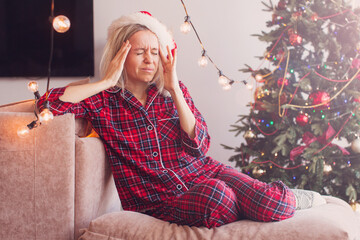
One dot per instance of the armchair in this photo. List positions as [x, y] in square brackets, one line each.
[53, 182]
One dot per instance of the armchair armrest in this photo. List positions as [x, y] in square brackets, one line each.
[52, 182]
[37, 197]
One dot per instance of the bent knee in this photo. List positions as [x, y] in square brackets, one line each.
[221, 207]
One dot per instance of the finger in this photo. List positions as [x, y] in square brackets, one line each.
[170, 57]
[125, 47]
[175, 57]
[163, 58]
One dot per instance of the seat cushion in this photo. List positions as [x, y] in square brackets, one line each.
[334, 220]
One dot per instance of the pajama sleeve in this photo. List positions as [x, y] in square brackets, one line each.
[81, 109]
[200, 144]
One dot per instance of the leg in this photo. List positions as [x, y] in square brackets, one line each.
[210, 203]
[257, 200]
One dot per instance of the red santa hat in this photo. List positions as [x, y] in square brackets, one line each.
[146, 19]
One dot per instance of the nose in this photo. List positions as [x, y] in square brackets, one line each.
[148, 56]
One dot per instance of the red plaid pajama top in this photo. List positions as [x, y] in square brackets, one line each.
[151, 157]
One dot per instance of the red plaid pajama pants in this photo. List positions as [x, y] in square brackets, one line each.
[228, 197]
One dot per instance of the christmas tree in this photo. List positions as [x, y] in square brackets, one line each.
[306, 100]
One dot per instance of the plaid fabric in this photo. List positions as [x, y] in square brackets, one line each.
[158, 169]
[151, 157]
[228, 197]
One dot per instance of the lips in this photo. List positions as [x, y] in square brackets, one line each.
[149, 70]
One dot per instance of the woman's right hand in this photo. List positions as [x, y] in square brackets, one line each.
[116, 65]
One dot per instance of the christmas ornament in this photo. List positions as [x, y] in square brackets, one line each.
[280, 54]
[314, 17]
[302, 119]
[355, 63]
[319, 97]
[258, 172]
[327, 168]
[295, 39]
[296, 15]
[250, 136]
[281, 80]
[355, 145]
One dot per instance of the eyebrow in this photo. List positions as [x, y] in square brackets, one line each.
[136, 49]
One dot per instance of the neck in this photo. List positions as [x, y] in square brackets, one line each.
[139, 91]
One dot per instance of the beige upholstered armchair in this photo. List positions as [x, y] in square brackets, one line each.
[54, 181]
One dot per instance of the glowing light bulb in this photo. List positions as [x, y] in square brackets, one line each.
[226, 86]
[223, 80]
[185, 27]
[258, 77]
[61, 24]
[46, 115]
[203, 62]
[23, 131]
[249, 86]
[33, 86]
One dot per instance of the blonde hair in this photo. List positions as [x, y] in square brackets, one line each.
[113, 45]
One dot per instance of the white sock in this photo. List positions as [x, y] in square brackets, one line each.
[307, 199]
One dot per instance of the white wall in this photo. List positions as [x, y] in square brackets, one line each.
[224, 27]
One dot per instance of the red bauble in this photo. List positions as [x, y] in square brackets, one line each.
[302, 119]
[295, 39]
[280, 54]
[355, 63]
[296, 15]
[281, 80]
[320, 97]
[314, 17]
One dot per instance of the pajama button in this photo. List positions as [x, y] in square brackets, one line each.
[150, 128]
[179, 186]
[155, 154]
[165, 171]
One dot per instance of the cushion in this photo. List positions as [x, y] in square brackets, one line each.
[334, 220]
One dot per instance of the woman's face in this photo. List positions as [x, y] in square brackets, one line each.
[142, 61]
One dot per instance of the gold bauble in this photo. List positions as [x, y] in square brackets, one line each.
[355, 145]
[327, 168]
[249, 134]
[258, 172]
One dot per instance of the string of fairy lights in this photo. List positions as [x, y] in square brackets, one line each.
[225, 81]
[60, 24]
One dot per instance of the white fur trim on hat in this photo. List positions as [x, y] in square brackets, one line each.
[154, 25]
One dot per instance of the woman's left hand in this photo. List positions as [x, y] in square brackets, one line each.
[171, 82]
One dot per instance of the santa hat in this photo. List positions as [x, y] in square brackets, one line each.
[146, 19]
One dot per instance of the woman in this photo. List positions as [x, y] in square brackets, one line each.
[157, 140]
